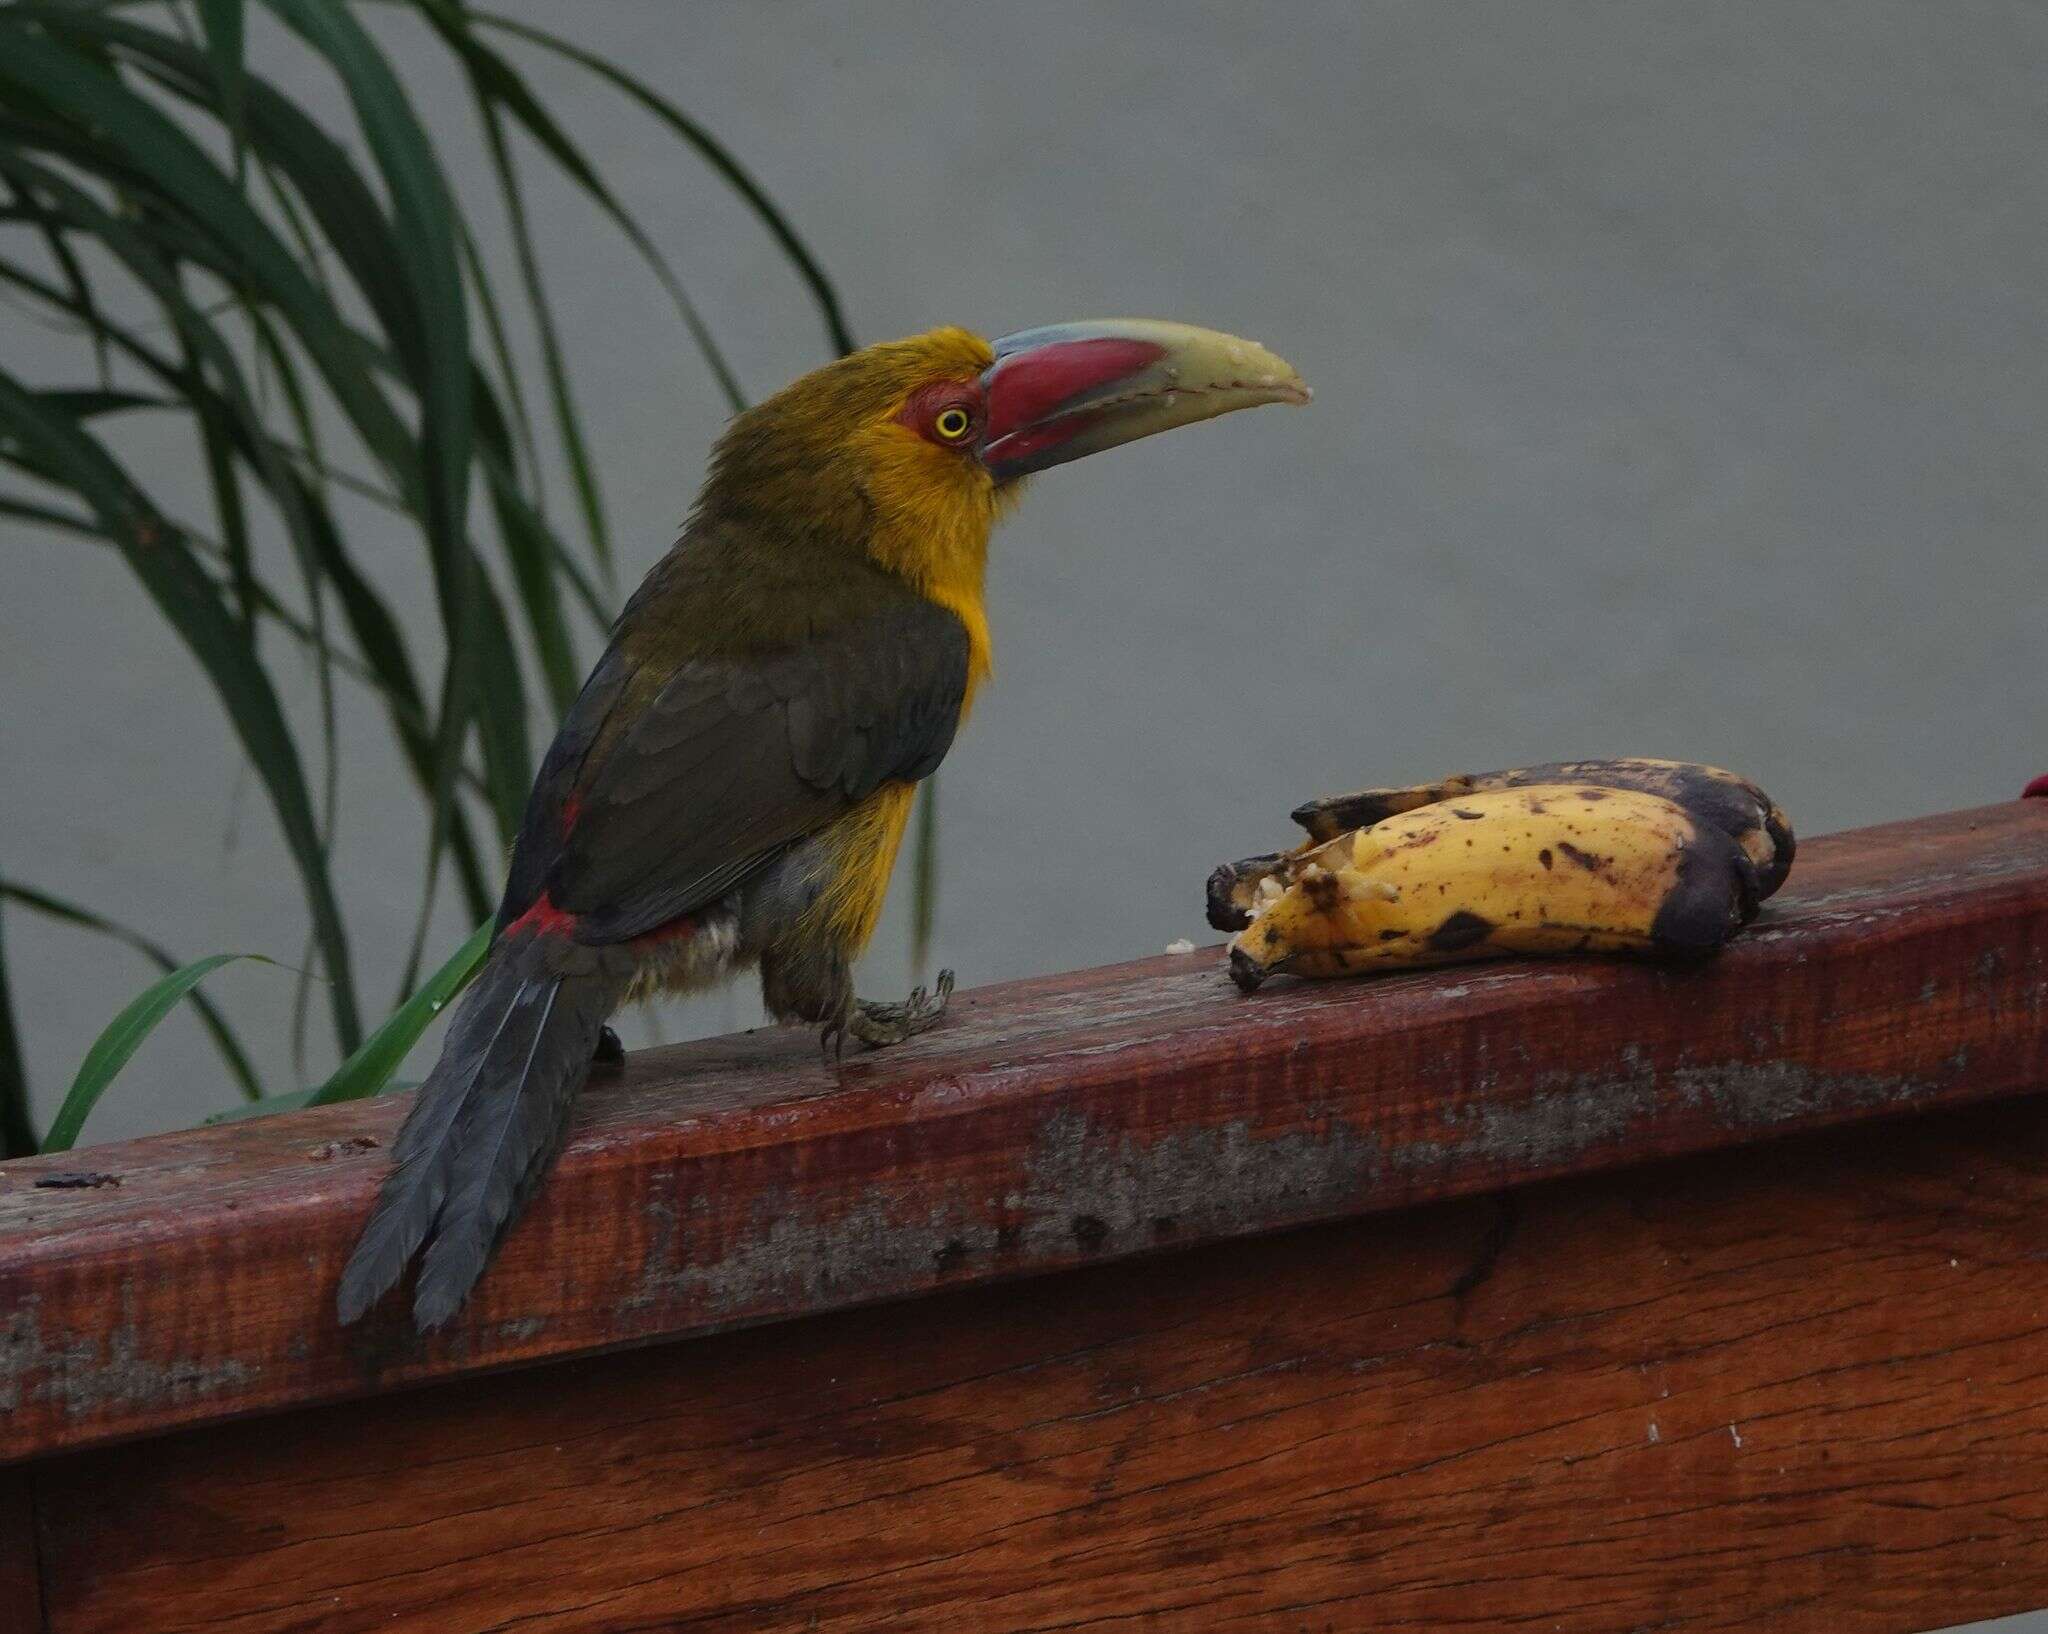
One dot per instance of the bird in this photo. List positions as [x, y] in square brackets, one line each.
[729, 788]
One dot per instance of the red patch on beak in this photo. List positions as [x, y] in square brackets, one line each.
[1028, 386]
[1021, 446]
[2036, 790]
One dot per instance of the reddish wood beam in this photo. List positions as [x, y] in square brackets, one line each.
[1051, 1122]
[1798, 1388]
[21, 1586]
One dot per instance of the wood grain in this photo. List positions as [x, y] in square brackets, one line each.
[1798, 1388]
[1082, 1117]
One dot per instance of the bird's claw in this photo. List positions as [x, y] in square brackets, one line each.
[879, 1025]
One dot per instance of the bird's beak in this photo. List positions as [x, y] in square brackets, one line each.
[1069, 389]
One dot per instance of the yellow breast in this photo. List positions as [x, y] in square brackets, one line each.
[862, 848]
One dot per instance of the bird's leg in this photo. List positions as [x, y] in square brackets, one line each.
[609, 1052]
[878, 1024]
[816, 985]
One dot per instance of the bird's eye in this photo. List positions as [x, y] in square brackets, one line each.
[952, 423]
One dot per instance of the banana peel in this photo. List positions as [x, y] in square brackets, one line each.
[1526, 861]
[1726, 801]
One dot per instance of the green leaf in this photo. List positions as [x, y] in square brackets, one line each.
[263, 1108]
[223, 20]
[368, 1070]
[17, 1120]
[216, 1024]
[714, 152]
[435, 478]
[317, 167]
[63, 451]
[215, 441]
[353, 288]
[296, 1101]
[534, 553]
[81, 287]
[135, 140]
[47, 516]
[498, 84]
[123, 1037]
[202, 341]
[384, 665]
[424, 219]
[568, 423]
[378, 639]
[501, 713]
[508, 368]
[90, 405]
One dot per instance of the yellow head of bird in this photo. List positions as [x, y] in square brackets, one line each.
[932, 433]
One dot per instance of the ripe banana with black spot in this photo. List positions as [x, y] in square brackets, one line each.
[1718, 798]
[1546, 868]
[1715, 797]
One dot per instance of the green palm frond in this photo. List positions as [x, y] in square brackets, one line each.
[308, 297]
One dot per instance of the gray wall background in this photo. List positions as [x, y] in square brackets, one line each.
[1680, 391]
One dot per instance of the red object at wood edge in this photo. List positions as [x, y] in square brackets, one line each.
[2036, 790]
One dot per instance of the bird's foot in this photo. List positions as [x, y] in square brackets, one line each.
[879, 1025]
[609, 1052]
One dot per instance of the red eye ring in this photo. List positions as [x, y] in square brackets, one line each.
[945, 412]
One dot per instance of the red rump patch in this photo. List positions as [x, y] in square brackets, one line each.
[2036, 790]
[572, 809]
[676, 930]
[544, 919]
[1029, 385]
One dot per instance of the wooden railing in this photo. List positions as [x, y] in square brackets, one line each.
[1798, 1384]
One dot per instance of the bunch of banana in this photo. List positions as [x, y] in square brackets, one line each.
[1651, 857]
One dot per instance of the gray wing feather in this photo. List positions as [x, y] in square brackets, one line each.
[736, 759]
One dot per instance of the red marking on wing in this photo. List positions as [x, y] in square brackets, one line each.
[1027, 386]
[544, 919]
[572, 809]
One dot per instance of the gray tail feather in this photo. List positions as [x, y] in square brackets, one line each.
[480, 1131]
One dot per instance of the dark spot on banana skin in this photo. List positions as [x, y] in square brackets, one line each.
[1322, 891]
[1461, 930]
[1714, 895]
[1224, 911]
[1245, 971]
[1585, 859]
[1469, 816]
[1725, 801]
[1546, 859]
